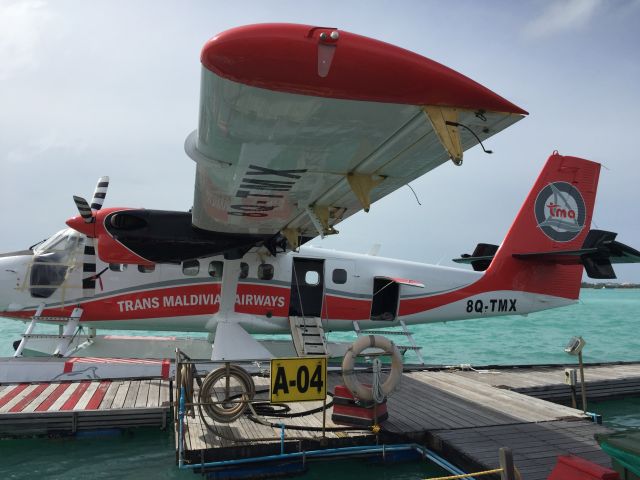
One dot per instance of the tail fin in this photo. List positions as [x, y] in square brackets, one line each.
[555, 216]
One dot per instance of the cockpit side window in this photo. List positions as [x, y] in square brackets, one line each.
[51, 262]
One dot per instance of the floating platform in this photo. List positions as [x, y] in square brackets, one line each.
[465, 416]
[604, 381]
[52, 369]
[65, 408]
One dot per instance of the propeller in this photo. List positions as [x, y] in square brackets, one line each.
[84, 209]
[87, 212]
[100, 193]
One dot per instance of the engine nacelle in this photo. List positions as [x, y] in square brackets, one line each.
[145, 237]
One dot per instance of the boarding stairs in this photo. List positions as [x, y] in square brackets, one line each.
[403, 330]
[65, 338]
[308, 336]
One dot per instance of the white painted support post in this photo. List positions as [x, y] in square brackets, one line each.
[356, 327]
[67, 333]
[231, 341]
[229, 287]
[29, 330]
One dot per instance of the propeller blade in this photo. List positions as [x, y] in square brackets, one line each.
[99, 193]
[84, 209]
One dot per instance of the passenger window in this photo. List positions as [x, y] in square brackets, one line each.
[215, 269]
[146, 268]
[244, 270]
[265, 271]
[339, 276]
[117, 267]
[312, 278]
[191, 267]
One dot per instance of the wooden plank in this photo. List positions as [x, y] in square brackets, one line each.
[62, 398]
[153, 399]
[10, 393]
[77, 393]
[165, 387]
[27, 399]
[53, 397]
[86, 396]
[511, 403]
[143, 394]
[46, 393]
[121, 394]
[451, 411]
[132, 394]
[97, 397]
[110, 395]
[16, 396]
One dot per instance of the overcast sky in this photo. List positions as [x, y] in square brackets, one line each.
[111, 88]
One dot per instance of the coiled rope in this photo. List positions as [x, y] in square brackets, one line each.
[376, 385]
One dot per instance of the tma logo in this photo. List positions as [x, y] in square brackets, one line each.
[560, 211]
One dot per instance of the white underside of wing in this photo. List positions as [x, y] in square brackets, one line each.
[266, 158]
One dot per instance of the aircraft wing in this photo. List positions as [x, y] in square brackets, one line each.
[301, 127]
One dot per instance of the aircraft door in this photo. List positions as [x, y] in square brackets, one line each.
[307, 287]
[386, 296]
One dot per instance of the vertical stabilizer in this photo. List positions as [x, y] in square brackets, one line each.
[555, 216]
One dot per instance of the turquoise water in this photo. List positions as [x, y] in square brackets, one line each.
[609, 320]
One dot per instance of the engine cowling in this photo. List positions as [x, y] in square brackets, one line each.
[145, 237]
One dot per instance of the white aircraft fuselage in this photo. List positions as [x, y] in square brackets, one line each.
[338, 287]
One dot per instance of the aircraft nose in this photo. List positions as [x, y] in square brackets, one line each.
[12, 271]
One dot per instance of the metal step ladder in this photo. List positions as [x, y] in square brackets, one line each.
[402, 331]
[68, 332]
[308, 337]
[29, 331]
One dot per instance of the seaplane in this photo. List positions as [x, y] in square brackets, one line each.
[299, 128]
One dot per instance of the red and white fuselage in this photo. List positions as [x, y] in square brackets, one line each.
[185, 297]
[337, 287]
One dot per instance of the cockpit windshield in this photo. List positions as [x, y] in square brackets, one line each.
[63, 241]
[51, 262]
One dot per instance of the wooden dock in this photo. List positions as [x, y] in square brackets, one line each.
[465, 416]
[603, 381]
[62, 408]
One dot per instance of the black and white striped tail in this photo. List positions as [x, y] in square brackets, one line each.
[100, 193]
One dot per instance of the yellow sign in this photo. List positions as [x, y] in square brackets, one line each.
[298, 379]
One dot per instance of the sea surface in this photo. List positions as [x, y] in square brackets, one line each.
[608, 319]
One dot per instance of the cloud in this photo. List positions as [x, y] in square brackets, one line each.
[561, 16]
[21, 33]
[43, 146]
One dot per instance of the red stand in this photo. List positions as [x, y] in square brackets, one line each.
[570, 467]
[346, 411]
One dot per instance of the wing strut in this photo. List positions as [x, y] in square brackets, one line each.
[444, 122]
[232, 342]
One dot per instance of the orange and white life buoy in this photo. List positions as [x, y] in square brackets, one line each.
[359, 390]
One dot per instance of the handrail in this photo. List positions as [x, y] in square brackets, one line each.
[468, 475]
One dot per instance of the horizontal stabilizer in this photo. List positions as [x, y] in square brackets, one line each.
[599, 252]
[481, 257]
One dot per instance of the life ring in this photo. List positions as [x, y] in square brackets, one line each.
[349, 375]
